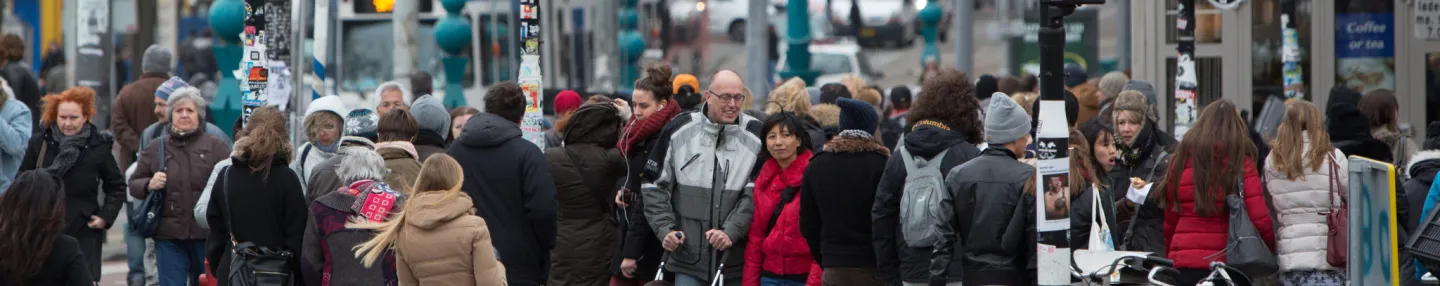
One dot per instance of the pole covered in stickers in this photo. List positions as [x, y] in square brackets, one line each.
[530, 79]
[1185, 81]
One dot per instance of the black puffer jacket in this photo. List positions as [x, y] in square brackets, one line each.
[992, 231]
[897, 261]
[1150, 163]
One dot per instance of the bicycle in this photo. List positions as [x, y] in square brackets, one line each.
[1154, 264]
[1219, 272]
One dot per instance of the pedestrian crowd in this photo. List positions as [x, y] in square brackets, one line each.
[677, 184]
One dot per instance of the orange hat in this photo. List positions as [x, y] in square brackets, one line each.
[686, 79]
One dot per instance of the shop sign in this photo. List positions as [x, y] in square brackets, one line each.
[1427, 19]
[1364, 51]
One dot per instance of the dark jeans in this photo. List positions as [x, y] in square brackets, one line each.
[767, 281]
[134, 249]
[180, 261]
[851, 277]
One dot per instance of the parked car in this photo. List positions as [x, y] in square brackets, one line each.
[882, 21]
[834, 61]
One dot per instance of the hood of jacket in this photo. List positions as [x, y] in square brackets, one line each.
[928, 139]
[331, 104]
[1424, 165]
[593, 124]
[1345, 123]
[488, 130]
[430, 209]
[855, 144]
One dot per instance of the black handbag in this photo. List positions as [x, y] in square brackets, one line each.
[1245, 249]
[251, 264]
[146, 218]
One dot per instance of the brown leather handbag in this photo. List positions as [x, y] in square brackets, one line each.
[1338, 219]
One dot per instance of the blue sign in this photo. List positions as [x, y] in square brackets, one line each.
[1365, 35]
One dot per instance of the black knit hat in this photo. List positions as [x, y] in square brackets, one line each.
[857, 115]
[1432, 140]
[986, 86]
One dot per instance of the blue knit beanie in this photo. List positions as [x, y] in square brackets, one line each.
[857, 115]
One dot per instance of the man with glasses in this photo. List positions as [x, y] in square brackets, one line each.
[700, 204]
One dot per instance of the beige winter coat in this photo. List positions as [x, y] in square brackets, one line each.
[1300, 207]
[443, 243]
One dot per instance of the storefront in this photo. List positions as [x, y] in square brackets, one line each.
[1359, 44]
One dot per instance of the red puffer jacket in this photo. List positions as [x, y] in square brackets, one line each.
[1193, 241]
[783, 251]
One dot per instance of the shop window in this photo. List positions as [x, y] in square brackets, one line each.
[1209, 78]
[1267, 50]
[366, 59]
[1207, 22]
[1364, 44]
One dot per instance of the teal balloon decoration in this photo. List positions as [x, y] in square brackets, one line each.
[227, 19]
[452, 34]
[632, 45]
[931, 13]
[628, 19]
[453, 6]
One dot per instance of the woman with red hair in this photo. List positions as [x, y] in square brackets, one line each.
[69, 146]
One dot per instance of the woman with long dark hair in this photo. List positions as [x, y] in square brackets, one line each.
[1086, 176]
[258, 199]
[32, 212]
[69, 146]
[1300, 173]
[1215, 159]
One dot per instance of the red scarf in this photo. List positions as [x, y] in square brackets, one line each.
[639, 131]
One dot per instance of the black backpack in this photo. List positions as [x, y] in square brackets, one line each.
[251, 264]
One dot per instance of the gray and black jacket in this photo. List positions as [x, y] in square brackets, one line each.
[992, 232]
[704, 181]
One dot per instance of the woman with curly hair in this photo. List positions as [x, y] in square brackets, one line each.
[945, 126]
[32, 213]
[70, 147]
[260, 189]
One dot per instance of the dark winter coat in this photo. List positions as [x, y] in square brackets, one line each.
[328, 251]
[189, 158]
[323, 178]
[94, 174]
[1150, 163]
[1423, 167]
[1193, 240]
[638, 240]
[404, 167]
[510, 183]
[1080, 212]
[64, 266]
[429, 143]
[840, 180]
[585, 172]
[818, 137]
[26, 88]
[266, 208]
[134, 110]
[896, 260]
[992, 232]
[781, 252]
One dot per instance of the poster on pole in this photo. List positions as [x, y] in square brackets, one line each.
[1185, 80]
[1290, 56]
[1374, 231]
[1052, 202]
[94, 48]
[531, 80]
[254, 69]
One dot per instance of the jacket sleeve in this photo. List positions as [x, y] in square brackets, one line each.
[112, 181]
[203, 204]
[884, 218]
[126, 136]
[219, 238]
[77, 272]
[658, 208]
[540, 200]
[296, 214]
[737, 225]
[407, 277]
[311, 256]
[753, 256]
[817, 275]
[15, 131]
[944, 247]
[1256, 206]
[487, 268]
[639, 237]
[810, 221]
[143, 171]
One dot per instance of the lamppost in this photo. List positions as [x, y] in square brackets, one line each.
[632, 44]
[452, 34]
[929, 28]
[797, 42]
[227, 19]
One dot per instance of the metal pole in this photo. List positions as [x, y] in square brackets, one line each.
[797, 46]
[964, 35]
[756, 56]
[1122, 55]
[405, 23]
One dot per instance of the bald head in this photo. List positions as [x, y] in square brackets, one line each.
[725, 97]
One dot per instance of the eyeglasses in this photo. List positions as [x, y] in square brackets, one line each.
[732, 97]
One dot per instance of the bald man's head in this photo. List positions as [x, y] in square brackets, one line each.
[725, 97]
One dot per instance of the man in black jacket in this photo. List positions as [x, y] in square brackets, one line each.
[510, 182]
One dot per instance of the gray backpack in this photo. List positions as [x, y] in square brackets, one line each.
[921, 201]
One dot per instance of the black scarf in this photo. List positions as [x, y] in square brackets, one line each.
[70, 147]
[429, 138]
[1133, 154]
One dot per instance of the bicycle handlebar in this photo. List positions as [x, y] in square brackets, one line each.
[1152, 262]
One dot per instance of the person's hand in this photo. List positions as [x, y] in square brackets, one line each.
[96, 222]
[1137, 195]
[157, 182]
[673, 240]
[628, 267]
[620, 198]
[623, 107]
[718, 239]
[1136, 182]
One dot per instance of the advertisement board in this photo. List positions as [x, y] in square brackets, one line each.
[1374, 231]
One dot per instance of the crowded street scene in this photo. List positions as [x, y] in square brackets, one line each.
[719, 142]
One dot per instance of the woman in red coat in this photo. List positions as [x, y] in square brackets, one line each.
[779, 255]
[1213, 160]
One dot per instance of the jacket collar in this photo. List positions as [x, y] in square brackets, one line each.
[851, 144]
[405, 148]
[720, 131]
[790, 175]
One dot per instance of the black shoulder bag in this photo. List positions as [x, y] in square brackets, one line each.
[785, 197]
[146, 218]
[251, 264]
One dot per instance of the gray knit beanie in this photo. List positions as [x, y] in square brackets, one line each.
[1111, 84]
[431, 115]
[157, 60]
[1005, 121]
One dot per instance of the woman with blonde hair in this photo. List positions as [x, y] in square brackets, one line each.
[438, 227]
[792, 97]
[1305, 175]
